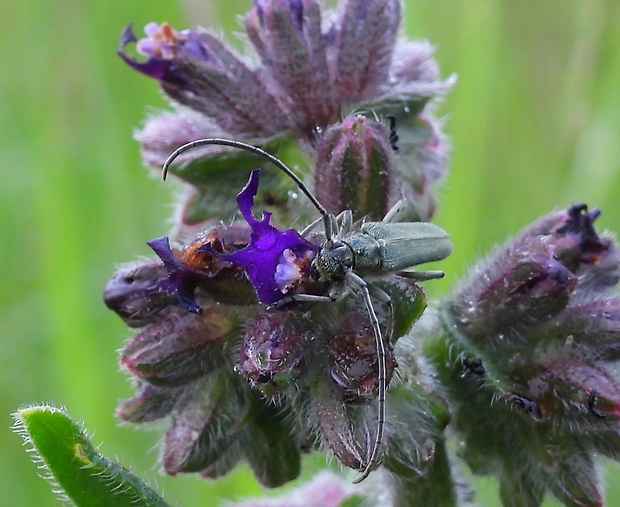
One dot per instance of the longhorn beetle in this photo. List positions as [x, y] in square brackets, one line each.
[347, 255]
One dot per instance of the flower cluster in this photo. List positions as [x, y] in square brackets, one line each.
[521, 359]
[529, 352]
[318, 361]
[309, 70]
[240, 381]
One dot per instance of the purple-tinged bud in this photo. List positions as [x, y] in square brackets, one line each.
[576, 242]
[354, 168]
[149, 404]
[530, 280]
[563, 383]
[198, 71]
[164, 132]
[347, 430]
[575, 480]
[181, 347]
[287, 36]
[413, 62]
[353, 362]
[364, 38]
[604, 273]
[225, 463]
[125, 293]
[590, 325]
[520, 287]
[205, 424]
[273, 350]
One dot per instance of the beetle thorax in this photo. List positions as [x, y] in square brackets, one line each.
[333, 260]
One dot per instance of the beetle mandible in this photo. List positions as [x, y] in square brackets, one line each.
[348, 255]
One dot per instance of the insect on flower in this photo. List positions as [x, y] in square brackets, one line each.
[348, 255]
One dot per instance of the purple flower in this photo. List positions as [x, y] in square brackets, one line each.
[276, 262]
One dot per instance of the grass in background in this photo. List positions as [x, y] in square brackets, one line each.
[534, 121]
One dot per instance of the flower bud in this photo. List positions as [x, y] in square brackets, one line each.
[125, 293]
[287, 36]
[591, 326]
[270, 443]
[149, 404]
[347, 430]
[273, 349]
[361, 52]
[353, 360]
[354, 168]
[204, 425]
[521, 288]
[562, 383]
[181, 347]
[529, 280]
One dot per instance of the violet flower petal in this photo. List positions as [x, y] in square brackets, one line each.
[157, 68]
[181, 281]
[266, 250]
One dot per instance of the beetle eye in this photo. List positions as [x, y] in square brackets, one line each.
[314, 273]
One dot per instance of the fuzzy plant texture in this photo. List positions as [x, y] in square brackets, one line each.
[251, 353]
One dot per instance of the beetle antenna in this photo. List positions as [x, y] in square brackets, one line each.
[253, 149]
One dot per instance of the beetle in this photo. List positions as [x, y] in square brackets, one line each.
[348, 255]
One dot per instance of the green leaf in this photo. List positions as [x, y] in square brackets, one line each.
[75, 467]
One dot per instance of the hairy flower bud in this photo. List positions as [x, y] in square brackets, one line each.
[354, 168]
[204, 425]
[149, 404]
[353, 358]
[361, 52]
[181, 347]
[287, 36]
[273, 349]
[529, 280]
[125, 293]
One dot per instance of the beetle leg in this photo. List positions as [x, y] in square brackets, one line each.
[300, 298]
[421, 276]
[361, 284]
[310, 227]
[395, 211]
[385, 298]
[346, 222]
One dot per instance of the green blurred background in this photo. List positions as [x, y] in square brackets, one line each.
[534, 120]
